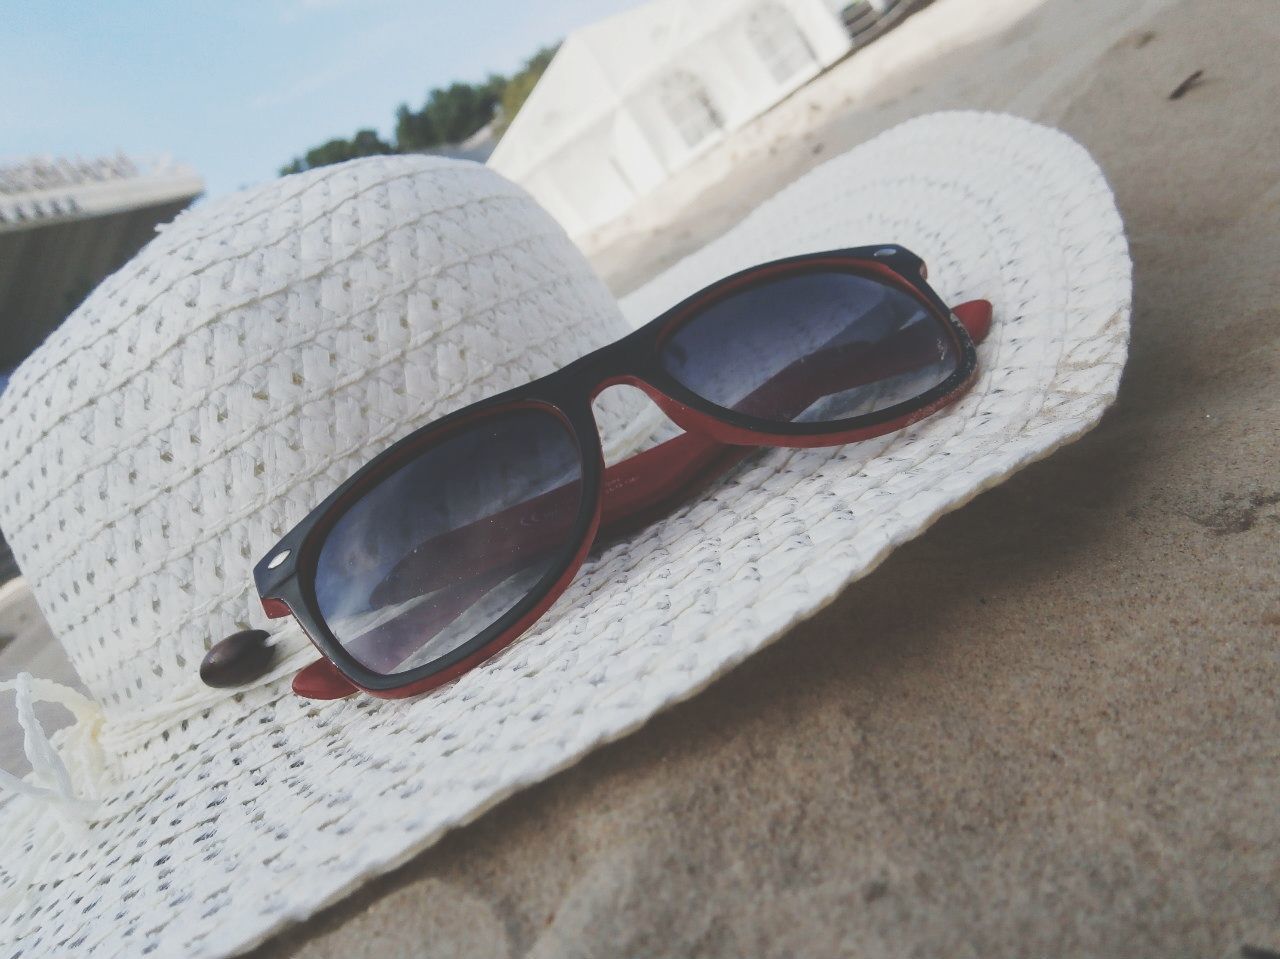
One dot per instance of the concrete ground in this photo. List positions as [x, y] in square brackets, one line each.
[1051, 725]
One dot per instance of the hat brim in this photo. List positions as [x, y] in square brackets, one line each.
[264, 809]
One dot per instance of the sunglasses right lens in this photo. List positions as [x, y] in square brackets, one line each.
[444, 547]
[814, 347]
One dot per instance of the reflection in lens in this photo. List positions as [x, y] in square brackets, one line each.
[812, 348]
[442, 548]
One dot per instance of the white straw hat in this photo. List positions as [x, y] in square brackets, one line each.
[212, 392]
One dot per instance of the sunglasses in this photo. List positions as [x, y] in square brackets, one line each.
[447, 546]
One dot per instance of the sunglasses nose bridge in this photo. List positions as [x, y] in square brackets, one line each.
[576, 387]
[618, 379]
[612, 365]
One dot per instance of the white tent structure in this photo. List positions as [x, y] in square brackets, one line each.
[629, 100]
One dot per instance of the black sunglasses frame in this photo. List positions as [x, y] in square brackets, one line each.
[285, 577]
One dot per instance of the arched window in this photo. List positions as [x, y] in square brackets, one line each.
[779, 42]
[689, 107]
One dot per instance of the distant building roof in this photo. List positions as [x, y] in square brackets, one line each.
[42, 190]
[477, 147]
[65, 224]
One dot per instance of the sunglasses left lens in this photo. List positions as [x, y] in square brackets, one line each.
[441, 549]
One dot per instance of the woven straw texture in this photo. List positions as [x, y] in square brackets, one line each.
[208, 395]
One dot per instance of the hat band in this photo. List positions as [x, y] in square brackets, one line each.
[68, 779]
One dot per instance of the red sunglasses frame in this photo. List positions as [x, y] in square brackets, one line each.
[619, 498]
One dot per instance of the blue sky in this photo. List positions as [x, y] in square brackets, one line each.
[237, 87]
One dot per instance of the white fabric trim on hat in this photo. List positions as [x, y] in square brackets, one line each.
[259, 808]
[59, 792]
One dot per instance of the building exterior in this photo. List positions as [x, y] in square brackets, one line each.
[630, 100]
[66, 224]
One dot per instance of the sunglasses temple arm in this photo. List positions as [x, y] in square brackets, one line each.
[648, 485]
[322, 680]
[975, 317]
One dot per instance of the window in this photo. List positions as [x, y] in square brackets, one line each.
[690, 107]
[779, 42]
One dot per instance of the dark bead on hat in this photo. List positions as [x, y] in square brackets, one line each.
[240, 658]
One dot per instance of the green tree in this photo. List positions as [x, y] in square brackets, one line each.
[364, 144]
[460, 109]
[414, 131]
[448, 115]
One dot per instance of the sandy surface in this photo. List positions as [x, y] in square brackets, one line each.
[1051, 725]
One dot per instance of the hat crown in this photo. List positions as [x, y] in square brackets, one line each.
[209, 394]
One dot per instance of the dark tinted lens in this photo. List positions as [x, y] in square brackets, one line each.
[445, 546]
[812, 348]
